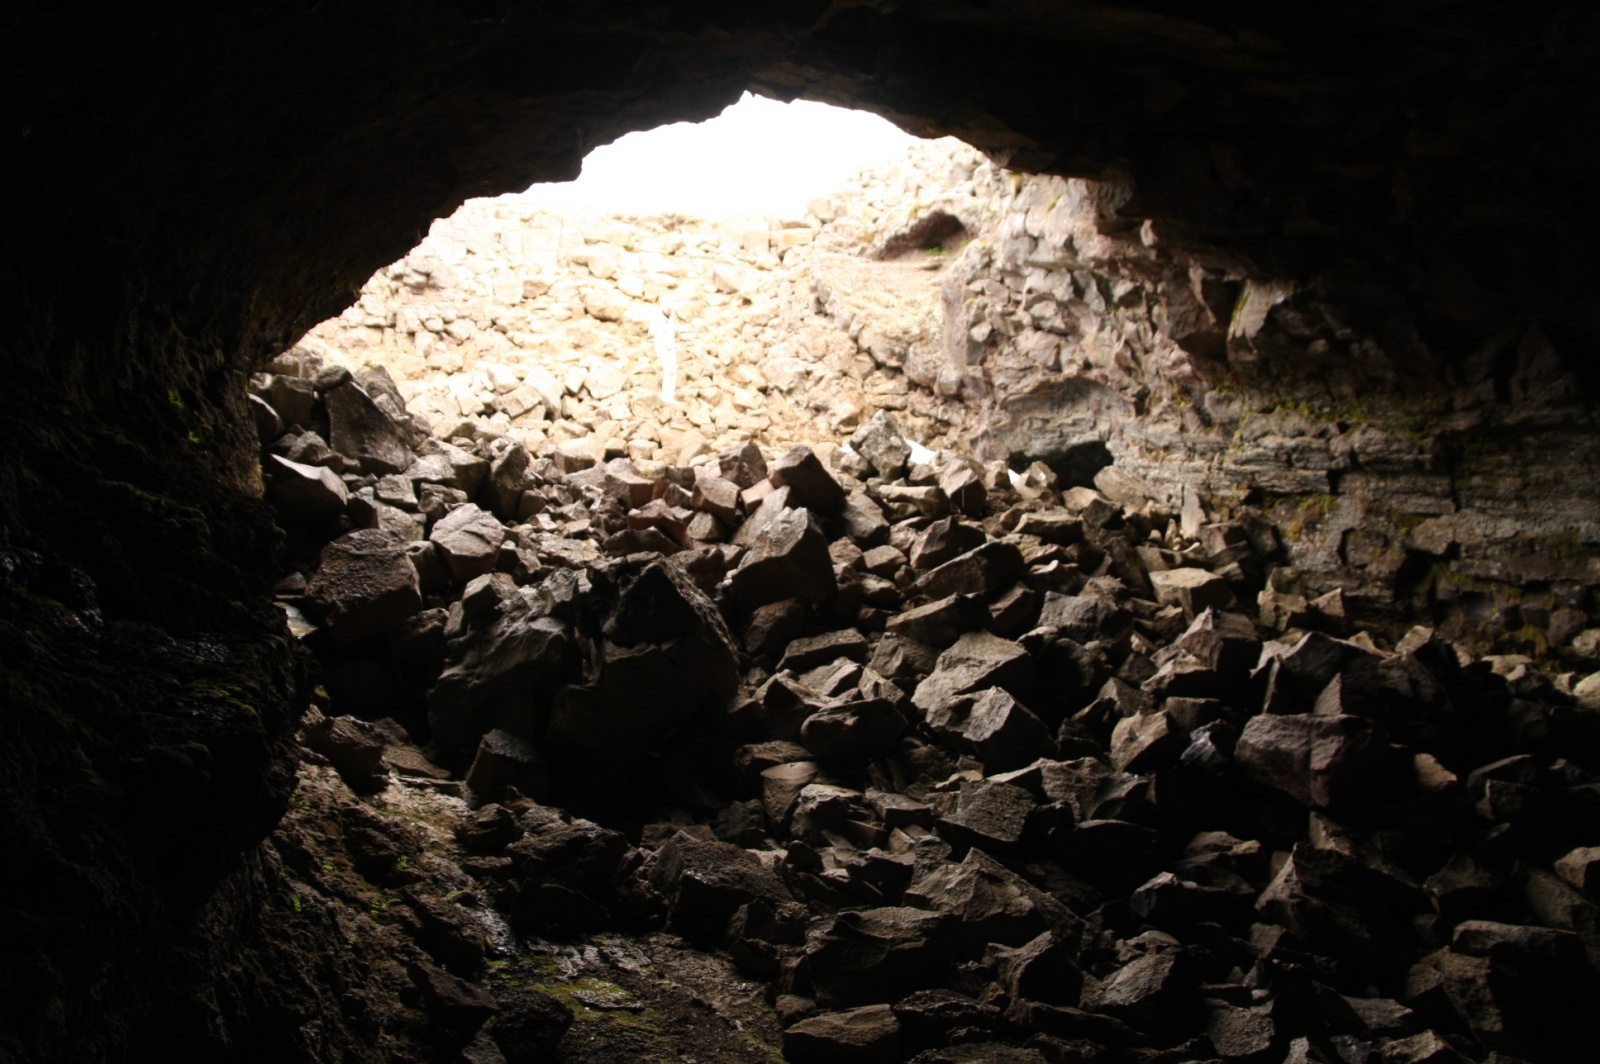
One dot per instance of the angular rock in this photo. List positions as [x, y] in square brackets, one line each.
[1194, 590]
[1224, 642]
[305, 496]
[1152, 992]
[809, 482]
[354, 747]
[1143, 743]
[508, 478]
[364, 584]
[815, 650]
[661, 658]
[453, 1002]
[361, 431]
[854, 731]
[501, 675]
[880, 443]
[874, 956]
[788, 559]
[1002, 732]
[975, 662]
[985, 570]
[987, 902]
[964, 487]
[773, 627]
[1240, 1033]
[941, 622]
[1334, 905]
[705, 883]
[862, 520]
[1319, 761]
[1040, 970]
[718, 497]
[868, 1035]
[744, 465]
[502, 761]
[1083, 618]
[991, 815]
[469, 541]
[943, 541]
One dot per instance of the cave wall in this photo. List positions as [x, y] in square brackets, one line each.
[192, 187]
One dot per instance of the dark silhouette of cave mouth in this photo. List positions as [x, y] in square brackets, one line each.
[1075, 464]
[936, 231]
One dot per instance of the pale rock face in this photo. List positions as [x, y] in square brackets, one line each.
[1109, 357]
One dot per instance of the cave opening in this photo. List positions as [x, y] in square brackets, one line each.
[1272, 737]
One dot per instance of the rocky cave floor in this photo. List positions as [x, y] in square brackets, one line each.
[897, 755]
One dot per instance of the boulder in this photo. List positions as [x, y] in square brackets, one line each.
[705, 882]
[504, 760]
[306, 497]
[990, 814]
[874, 956]
[787, 559]
[880, 443]
[468, 540]
[868, 1035]
[1002, 732]
[941, 622]
[1193, 590]
[364, 585]
[809, 482]
[1320, 761]
[501, 674]
[661, 657]
[854, 731]
[362, 432]
[986, 901]
[744, 465]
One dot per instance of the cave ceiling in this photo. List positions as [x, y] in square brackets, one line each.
[242, 169]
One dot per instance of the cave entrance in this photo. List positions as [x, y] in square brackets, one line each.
[766, 275]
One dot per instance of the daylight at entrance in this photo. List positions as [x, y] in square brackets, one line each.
[759, 156]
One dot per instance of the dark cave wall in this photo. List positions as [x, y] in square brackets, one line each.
[191, 186]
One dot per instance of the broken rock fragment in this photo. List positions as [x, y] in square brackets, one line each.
[788, 559]
[868, 1035]
[468, 540]
[809, 482]
[364, 584]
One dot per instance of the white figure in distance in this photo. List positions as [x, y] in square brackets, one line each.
[664, 331]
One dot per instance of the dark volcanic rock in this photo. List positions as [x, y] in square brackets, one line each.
[876, 955]
[808, 480]
[868, 1035]
[364, 584]
[787, 559]
[500, 675]
[706, 882]
[362, 432]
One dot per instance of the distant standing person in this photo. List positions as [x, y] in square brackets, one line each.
[664, 330]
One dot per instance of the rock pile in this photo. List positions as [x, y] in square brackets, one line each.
[967, 766]
[530, 320]
[999, 313]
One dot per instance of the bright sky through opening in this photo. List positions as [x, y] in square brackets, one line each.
[758, 157]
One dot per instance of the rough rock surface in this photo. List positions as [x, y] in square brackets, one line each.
[1381, 200]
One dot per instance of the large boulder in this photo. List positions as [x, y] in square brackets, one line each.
[660, 658]
[788, 558]
[809, 482]
[364, 584]
[705, 882]
[468, 540]
[305, 497]
[501, 674]
[360, 430]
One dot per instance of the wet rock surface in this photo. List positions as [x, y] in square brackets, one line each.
[1147, 822]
